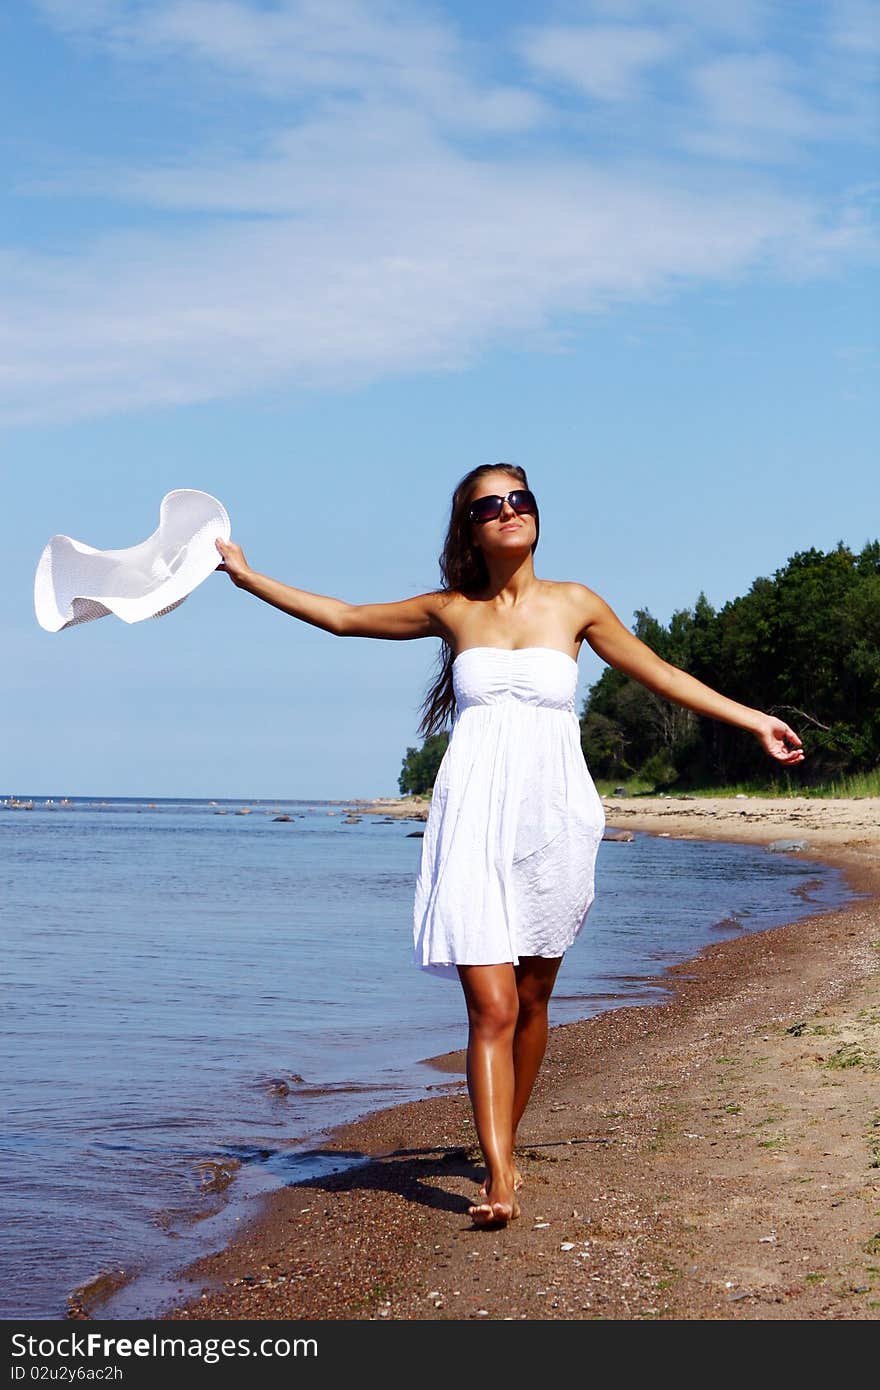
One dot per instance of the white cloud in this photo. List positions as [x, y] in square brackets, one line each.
[403, 213]
[757, 108]
[391, 270]
[607, 63]
[376, 49]
[749, 108]
[688, 84]
[855, 25]
[742, 20]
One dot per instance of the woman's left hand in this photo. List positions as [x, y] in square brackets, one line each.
[781, 742]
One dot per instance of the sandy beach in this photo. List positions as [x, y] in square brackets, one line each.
[717, 1156]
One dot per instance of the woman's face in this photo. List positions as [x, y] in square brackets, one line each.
[508, 532]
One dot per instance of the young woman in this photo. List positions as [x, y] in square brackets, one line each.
[506, 875]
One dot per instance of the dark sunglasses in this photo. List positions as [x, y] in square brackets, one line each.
[490, 508]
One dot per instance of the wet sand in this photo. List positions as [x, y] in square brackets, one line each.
[717, 1156]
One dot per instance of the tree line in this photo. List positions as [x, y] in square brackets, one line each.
[804, 644]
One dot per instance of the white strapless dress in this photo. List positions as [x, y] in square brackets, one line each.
[510, 844]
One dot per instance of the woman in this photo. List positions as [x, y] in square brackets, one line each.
[506, 874]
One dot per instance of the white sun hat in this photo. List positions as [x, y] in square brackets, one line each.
[76, 583]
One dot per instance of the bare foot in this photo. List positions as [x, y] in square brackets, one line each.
[517, 1183]
[495, 1211]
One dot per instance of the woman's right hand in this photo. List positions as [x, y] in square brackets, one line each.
[234, 564]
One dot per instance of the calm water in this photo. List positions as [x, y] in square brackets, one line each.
[190, 997]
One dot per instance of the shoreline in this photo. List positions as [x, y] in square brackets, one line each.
[390, 1238]
[834, 823]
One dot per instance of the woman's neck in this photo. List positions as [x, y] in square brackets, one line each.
[511, 582]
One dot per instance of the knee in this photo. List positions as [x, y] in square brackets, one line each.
[493, 1017]
[533, 1001]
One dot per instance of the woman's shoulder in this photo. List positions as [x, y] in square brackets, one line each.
[581, 603]
[570, 591]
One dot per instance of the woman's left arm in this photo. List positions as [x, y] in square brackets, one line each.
[609, 638]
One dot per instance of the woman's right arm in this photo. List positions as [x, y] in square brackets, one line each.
[411, 617]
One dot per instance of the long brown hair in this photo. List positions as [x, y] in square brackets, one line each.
[463, 570]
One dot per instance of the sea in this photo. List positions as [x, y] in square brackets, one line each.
[196, 991]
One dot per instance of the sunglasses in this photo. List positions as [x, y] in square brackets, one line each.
[490, 508]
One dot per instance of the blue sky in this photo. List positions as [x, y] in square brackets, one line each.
[320, 259]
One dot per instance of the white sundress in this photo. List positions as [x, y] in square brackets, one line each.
[509, 850]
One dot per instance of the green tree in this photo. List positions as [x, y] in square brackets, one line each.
[604, 745]
[804, 644]
[420, 766]
[628, 729]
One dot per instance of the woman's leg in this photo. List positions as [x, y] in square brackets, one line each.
[535, 978]
[493, 1007]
